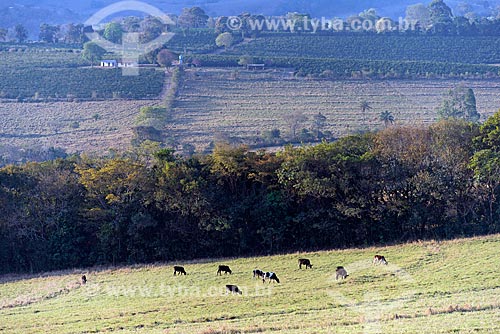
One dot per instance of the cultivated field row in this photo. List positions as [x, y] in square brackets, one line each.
[242, 104]
[74, 126]
[219, 103]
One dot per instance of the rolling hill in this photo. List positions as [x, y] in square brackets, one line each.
[428, 287]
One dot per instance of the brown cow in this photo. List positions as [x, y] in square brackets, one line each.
[305, 262]
[180, 270]
[379, 259]
[233, 289]
[225, 269]
[341, 272]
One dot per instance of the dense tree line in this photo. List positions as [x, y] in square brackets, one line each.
[151, 205]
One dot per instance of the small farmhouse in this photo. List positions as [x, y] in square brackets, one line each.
[109, 63]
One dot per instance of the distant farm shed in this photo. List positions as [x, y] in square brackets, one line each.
[254, 67]
[109, 63]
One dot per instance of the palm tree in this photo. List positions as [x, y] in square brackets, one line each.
[387, 118]
[364, 106]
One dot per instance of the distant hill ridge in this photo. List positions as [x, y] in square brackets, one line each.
[31, 13]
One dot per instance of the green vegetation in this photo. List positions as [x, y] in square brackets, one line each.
[384, 47]
[84, 83]
[150, 205]
[351, 68]
[428, 287]
[63, 73]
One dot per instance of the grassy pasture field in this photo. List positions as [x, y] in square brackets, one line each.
[428, 287]
[239, 103]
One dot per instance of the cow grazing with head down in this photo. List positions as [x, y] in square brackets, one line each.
[232, 289]
[225, 269]
[379, 259]
[179, 270]
[305, 262]
[271, 277]
[341, 272]
[258, 273]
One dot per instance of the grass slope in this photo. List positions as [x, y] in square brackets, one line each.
[428, 287]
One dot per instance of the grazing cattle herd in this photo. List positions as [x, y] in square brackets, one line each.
[270, 276]
[340, 272]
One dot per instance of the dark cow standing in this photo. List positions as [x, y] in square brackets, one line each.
[233, 289]
[84, 279]
[271, 277]
[379, 259]
[258, 273]
[341, 272]
[225, 269]
[305, 262]
[179, 270]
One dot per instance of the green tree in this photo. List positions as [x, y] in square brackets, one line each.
[460, 103]
[294, 121]
[386, 117]
[441, 16]
[486, 167]
[113, 32]
[420, 13]
[166, 57]
[74, 34]
[439, 12]
[151, 28]
[225, 39]
[92, 52]
[48, 33]
[319, 122]
[489, 134]
[194, 17]
[21, 33]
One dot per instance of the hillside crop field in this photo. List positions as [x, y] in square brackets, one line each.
[393, 47]
[245, 104]
[216, 103]
[75, 126]
[42, 74]
[428, 287]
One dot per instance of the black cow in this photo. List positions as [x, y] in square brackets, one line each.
[258, 273]
[225, 269]
[271, 276]
[84, 279]
[379, 259]
[233, 289]
[341, 272]
[305, 262]
[179, 270]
